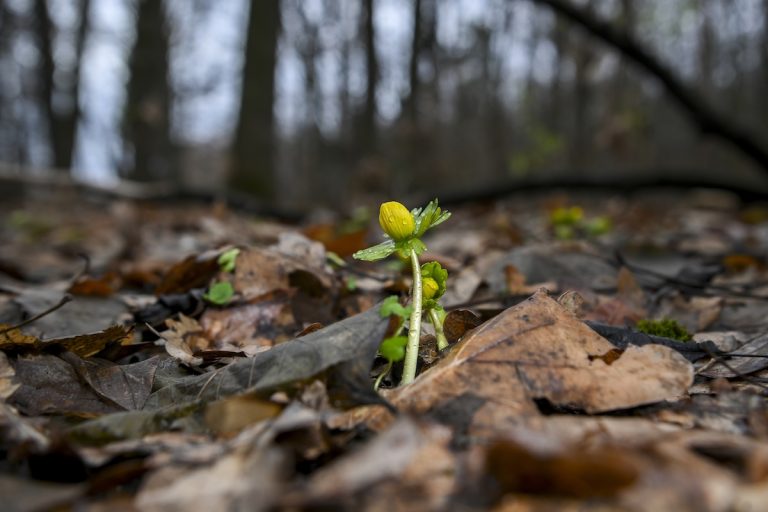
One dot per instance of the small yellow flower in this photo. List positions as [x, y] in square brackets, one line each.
[429, 287]
[396, 221]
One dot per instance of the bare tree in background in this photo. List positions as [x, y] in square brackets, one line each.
[253, 153]
[764, 63]
[150, 153]
[12, 145]
[704, 115]
[59, 87]
[368, 131]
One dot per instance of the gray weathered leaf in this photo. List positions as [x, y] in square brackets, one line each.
[354, 339]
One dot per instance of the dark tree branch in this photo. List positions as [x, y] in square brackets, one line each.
[701, 113]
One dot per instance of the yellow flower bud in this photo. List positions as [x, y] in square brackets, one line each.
[429, 287]
[396, 220]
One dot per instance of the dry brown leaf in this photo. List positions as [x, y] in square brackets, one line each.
[182, 338]
[14, 338]
[7, 373]
[628, 289]
[695, 313]
[343, 244]
[192, 272]
[414, 454]
[248, 478]
[251, 327]
[458, 322]
[574, 302]
[104, 286]
[538, 350]
[576, 473]
[230, 415]
[49, 385]
[262, 271]
[84, 345]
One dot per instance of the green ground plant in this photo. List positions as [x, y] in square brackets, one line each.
[404, 230]
[666, 328]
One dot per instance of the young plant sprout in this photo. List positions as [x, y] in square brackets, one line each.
[433, 285]
[393, 348]
[404, 230]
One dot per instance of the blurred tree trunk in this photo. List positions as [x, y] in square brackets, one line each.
[764, 67]
[706, 45]
[11, 130]
[253, 153]
[147, 116]
[411, 103]
[621, 81]
[368, 132]
[60, 97]
[584, 56]
[554, 111]
[423, 45]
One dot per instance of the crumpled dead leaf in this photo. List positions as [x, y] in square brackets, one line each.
[250, 327]
[413, 453]
[49, 385]
[182, 337]
[578, 473]
[261, 271]
[192, 272]
[354, 339]
[539, 351]
[84, 345]
[7, 373]
[248, 478]
[738, 366]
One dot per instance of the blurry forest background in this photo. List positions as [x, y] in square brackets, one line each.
[326, 102]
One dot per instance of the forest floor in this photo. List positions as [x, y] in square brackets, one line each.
[133, 378]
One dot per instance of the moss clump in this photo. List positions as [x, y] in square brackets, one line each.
[666, 328]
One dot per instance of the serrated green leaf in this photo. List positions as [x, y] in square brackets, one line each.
[393, 348]
[228, 259]
[377, 252]
[429, 217]
[220, 293]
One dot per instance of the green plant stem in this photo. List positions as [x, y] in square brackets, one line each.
[414, 324]
[381, 376]
[442, 341]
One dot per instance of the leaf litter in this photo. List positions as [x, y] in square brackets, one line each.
[157, 399]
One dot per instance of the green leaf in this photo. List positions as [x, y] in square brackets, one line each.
[227, 260]
[428, 217]
[377, 252]
[405, 247]
[393, 348]
[220, 293]
[391, 306]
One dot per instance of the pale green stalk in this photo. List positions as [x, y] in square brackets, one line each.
[414, 325]
[442, 341]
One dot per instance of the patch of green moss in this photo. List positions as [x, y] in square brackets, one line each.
[666, 328]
